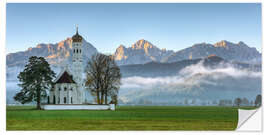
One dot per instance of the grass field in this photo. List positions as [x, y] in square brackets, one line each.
[124, 118]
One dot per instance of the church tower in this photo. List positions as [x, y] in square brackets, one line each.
[77, 63]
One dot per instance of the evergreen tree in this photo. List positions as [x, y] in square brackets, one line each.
[35, 79]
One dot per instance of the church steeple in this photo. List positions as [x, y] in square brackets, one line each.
[77, 37]
[77, 63]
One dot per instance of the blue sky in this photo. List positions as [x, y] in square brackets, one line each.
[106, 26]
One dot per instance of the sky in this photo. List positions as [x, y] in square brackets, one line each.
[106, 26]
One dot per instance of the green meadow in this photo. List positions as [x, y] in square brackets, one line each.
[124, 118]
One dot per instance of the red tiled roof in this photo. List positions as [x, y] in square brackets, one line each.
[65, 78]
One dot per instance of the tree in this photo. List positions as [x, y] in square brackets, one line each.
[237, 102]
[111, 80]
[35, 79]
[258, 100]
[103, 77]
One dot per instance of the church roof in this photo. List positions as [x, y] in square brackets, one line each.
[65, 78]
[77, 37]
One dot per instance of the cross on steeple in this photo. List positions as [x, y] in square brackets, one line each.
[76, 28]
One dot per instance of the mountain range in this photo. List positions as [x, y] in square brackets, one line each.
[140, 52]
[235, 52]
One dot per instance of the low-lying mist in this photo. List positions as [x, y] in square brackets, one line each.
[195, 82]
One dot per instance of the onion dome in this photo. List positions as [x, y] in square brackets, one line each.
[77, 37]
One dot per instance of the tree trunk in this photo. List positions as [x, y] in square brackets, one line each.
[38, 100]
[106, 99]
[102, 96]
[98, 101]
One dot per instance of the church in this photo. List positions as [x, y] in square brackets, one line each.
[68, 86]
[68, 91]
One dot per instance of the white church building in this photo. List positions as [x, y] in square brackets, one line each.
[68, 91]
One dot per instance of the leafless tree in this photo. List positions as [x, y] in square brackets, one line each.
[103, 77]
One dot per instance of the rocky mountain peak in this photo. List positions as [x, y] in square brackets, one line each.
[142, 44]
[120, 52]
[222, 43]
[140, 52]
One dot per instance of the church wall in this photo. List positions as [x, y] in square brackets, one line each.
[63, 93]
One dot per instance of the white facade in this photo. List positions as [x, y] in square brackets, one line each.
[78, 107]
[69, 85]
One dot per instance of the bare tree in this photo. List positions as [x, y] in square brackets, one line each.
[102, 77]
[111, 79]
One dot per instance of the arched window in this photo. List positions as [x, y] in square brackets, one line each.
[77, 50]
[65, 100]
[59, 89]
[74, 51]
[71, 89]
[80, 51]
[65, 88]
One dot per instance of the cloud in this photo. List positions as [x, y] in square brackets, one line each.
[222, 70]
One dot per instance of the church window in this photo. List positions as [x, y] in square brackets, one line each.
[58, 100]
[71, 89]
[74, 51]
[65, 88]
[77, 50]
[59, 89]
[80, 51]
[65, 100]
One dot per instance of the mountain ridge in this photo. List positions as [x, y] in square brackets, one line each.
[140, 52]
[225, 49]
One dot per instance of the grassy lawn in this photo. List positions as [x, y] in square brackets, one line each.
[124, 118]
